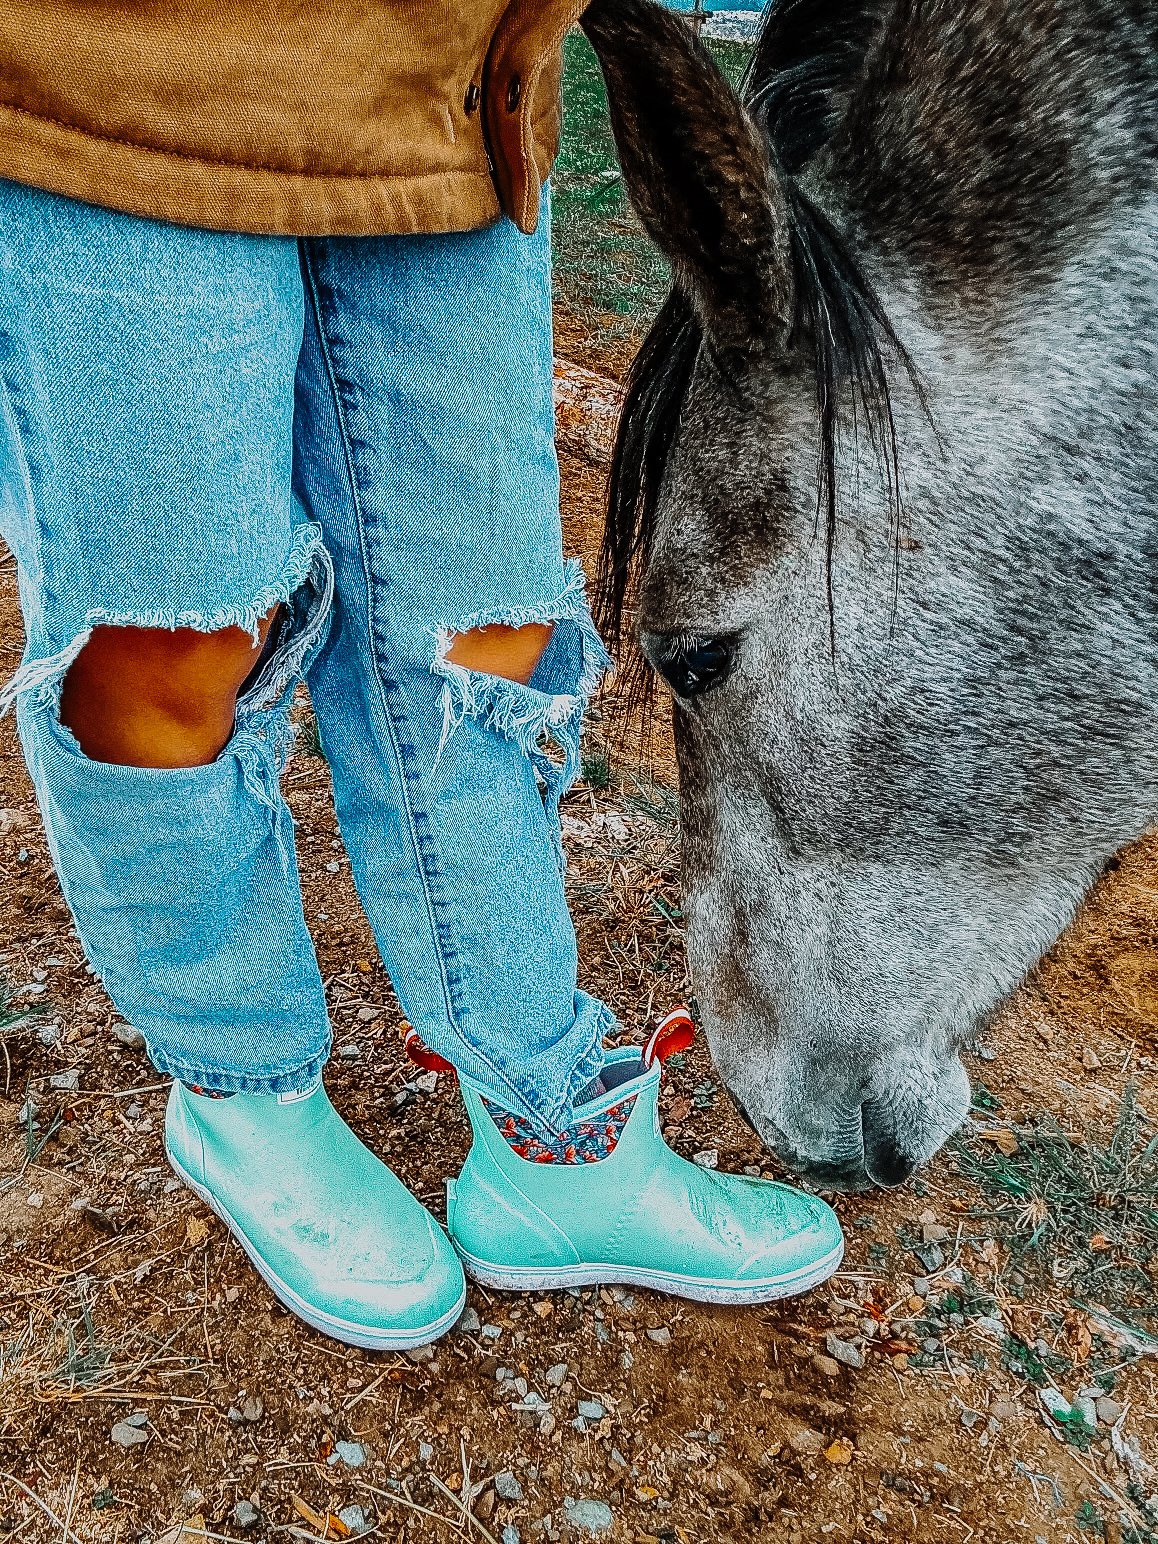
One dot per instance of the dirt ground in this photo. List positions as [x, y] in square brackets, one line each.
[907, 1399]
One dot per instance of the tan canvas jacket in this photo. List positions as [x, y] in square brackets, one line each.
[292, 117]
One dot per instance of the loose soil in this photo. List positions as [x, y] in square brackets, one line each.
[124, 1298]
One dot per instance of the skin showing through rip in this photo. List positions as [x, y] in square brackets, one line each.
[499, 650]
[155, 697]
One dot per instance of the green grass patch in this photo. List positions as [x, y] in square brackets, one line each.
[1078, 1211]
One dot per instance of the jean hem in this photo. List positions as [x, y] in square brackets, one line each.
[288, 1080]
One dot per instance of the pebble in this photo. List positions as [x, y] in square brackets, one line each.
[1109, 1411]
[826, 1365]
[707, 1158]
[511, 1535]
[931, 1345]
[1087, 1409]
[252, 1409]
[556, 1376]
[1054, 1403]
[470, 1323]
[68, 1082]
[591, 1410]
[491, 1331]
[931, 1256]
[245, 1514]
[508, 1487]
[129, 1433]
[425, 1452]
[352, 1454]
[420, 1353]
[1004, 1409]
[992, 1324]
[661, 1336]
[129, 1036]
[920, 1286]
[844, 1352]
[805, 1441]
[591, 1516]
[355, 1519]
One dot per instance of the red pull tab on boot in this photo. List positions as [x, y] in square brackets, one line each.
[421, 1054]
[675, 1033]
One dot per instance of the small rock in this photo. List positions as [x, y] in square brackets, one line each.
[661, 1336]
[920, 1286]
[1055, 1404]
[708, 1158]
[931, 1345]
[352, 1454]
[992, 1325]
[805, 1441]
[1090, 1059]
[425, 1452]
[355, 1519]
[427, 1082]
[826, 1365]
[591, 1410]
[969, 1418]
[556, 1376]
[1087, 1409]
[931, 1256]
[508, 1487]
[245, 1514]
[1109, 1411]
[844, 1352]
[935, 1233]
[420, 1353]
[34, 1199]
[470, 1323]
[511, 1535]
[591, 1516]
[1004, 1409]
[129, 1036]
[252, 1409]
[128, 1434]
[491, 1331]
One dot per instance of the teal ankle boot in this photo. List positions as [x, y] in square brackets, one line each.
[338, 1238]
[529, 1217]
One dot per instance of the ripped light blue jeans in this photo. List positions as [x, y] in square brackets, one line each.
[196, 426]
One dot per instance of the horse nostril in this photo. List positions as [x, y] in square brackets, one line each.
[886, 1162]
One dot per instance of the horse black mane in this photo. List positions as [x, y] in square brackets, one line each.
[809, 53]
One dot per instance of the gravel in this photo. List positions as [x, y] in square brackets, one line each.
[245, 1514]
[508, 1487]
[661, 1336]
[591, 1516]
[557, 1375]
[129, 1036]
[844, 1352]
[470, 1323]
[1109, 1411]
[352, 1454]
[130, 1432]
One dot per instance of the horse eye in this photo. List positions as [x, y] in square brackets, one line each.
[689, 665]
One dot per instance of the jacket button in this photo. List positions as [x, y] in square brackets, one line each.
[473, 97]
[514, 93]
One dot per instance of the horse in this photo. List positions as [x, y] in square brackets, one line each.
[882, 517]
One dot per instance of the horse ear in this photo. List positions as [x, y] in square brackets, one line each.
[698, 172]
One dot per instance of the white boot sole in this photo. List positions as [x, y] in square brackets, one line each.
[533, 1278]
[351, 1334]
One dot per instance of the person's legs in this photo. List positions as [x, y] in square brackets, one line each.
[449, 697]
[146, 420]
[462, 654]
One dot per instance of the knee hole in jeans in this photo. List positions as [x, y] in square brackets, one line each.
[160, 697]
[500, 650]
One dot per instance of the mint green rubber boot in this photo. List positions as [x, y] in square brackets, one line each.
[640, 1215]
[338, 1238]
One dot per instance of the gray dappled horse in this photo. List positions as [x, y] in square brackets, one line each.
[883, 512]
